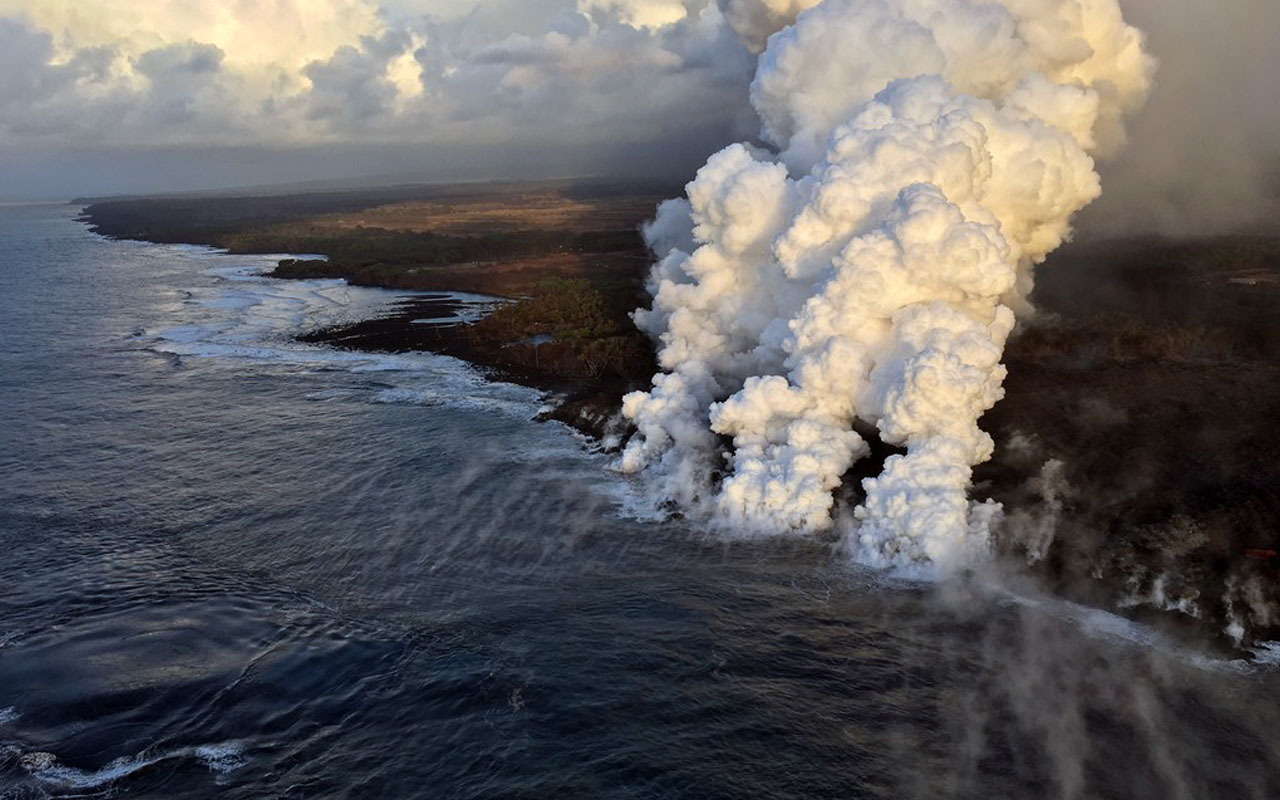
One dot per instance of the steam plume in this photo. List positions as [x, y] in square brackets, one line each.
[929, 154]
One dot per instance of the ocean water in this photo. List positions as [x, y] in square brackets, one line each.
[236, 566]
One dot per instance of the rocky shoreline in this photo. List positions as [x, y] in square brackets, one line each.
[1133, 460]
[428, 323]
[1138, 445]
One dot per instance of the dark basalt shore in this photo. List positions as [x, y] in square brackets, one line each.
[1138, 445]
[1140, 432]
[587, 403]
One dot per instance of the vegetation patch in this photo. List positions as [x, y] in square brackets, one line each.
[572, 325]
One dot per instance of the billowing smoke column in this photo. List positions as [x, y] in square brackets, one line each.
[929, 154]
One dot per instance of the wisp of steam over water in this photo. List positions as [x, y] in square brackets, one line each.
[929, 154]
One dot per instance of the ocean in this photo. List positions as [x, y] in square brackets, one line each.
[237, 566]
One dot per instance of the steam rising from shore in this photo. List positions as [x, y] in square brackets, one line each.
[929, 154]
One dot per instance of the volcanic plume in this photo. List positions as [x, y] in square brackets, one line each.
[865, 269]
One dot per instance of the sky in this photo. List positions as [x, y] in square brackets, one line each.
[143, 95]
[123, 96]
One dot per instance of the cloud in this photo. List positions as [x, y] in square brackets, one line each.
[117, 76]
[279, 35]
[355, 87]
[24, 58]
[639, 13]
[114, 74]
[756, 20]
[188, 59]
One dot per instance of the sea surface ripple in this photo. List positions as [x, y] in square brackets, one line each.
[236, 566]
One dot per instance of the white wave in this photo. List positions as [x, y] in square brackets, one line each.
[402, 395]
[196, 249]
[240, 313]
[470, 297]
[635, 501]
[437, 393]
[370, 362]
[1102, 624]
[1267, 653]
[230, 302]
[8, 715]
[222, 758]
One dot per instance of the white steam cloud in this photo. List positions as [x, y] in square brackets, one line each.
[929, 154]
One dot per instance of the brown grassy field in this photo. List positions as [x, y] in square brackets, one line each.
[482, 214]
[537, 243]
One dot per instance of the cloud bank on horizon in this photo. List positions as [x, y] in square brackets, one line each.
[192, 93]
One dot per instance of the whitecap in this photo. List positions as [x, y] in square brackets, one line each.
[1267, 654]
[221, 758]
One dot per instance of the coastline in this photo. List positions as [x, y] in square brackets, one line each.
[423, 323]
[1138, 439]
[567, 253]
[1179, 544]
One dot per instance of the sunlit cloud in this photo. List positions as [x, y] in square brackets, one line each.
[116, 72]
